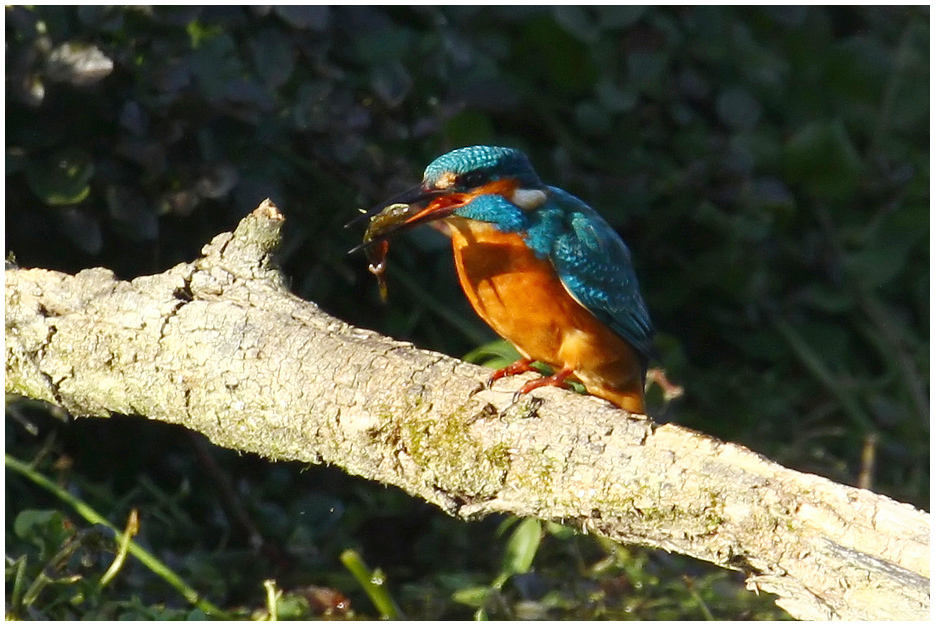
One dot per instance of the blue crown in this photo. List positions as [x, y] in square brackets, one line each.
[487, 163]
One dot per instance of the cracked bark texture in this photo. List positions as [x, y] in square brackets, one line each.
[221, 347]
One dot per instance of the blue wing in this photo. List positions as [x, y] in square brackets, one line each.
[588, 255]
[594, 265]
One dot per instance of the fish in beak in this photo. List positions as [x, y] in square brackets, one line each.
[410, 208]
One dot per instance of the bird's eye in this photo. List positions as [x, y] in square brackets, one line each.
[472, 179]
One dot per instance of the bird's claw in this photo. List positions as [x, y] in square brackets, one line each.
[532, 404]
[519, 367]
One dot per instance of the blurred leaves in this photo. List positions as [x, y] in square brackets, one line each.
[822, 158]
[738, 109]
[518, 555]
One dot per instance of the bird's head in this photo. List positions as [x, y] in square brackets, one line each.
[467, 170]
[452, 182]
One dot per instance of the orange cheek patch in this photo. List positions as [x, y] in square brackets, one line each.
[503, 187]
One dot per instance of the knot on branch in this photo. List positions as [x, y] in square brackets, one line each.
[246, 254]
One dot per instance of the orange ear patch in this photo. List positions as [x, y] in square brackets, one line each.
[503, 187]
[446, 180]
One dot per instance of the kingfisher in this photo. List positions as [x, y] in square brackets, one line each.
[543, 269]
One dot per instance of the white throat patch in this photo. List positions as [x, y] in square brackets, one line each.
[528, 199]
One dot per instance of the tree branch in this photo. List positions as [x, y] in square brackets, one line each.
[221, 347]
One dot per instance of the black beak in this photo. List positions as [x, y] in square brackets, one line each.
[410, 196]
[411, 213]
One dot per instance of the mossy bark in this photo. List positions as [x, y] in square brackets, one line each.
[221, 347]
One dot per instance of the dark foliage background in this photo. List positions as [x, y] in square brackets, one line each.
[769, 169]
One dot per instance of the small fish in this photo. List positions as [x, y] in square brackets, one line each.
[376, 254]
[385, 220]
[376, 250]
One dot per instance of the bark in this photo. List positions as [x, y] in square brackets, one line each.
[220, 346]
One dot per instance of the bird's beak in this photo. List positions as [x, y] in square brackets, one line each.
[410, 208]
[410, 196]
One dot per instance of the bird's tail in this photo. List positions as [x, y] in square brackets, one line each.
[629, 399]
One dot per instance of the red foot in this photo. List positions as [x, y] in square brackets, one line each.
[523, 365]
[555, 380]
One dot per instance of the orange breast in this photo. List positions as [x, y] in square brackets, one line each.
[524, 301]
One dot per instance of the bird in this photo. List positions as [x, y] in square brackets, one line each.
[542, 268]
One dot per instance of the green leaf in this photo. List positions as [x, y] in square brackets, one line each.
[829, 341]
[738, 109]
[474, 597]
[647, 70]
[133, 215]
[63, 178]
[273, 57]
[378, 46]
[469, 127]
[520, 550]
[890, 245]
[315, 18]
[373, 583]
[496, 354]
[82, 229]
[215, 63]
[15, 160]
[579, 21]
[592, 119]
[620, 16]
[880, 264]
[196, 615]
[292, 607]
[614, 98]
[824, 298]
[560, 531]
[392, 82]
[822, 157]
[758, 344]
[26, 523]
[552, 58]
[199, 32]
[311, 106]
